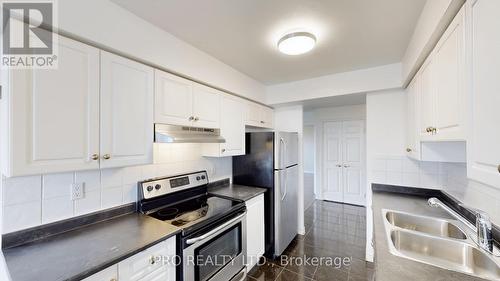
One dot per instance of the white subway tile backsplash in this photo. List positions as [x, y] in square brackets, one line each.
[91, 202]
[56, 208]
[21, 216]
[411, 166]
[379, 177]
[129, 193]
[111, 197]
[56, 185]
[429, 167]
[395, 165]
[22, 190]
[379, 165]
[33, 200]
[394, 178]
[91, 179]
[111, 178]
[411, 179]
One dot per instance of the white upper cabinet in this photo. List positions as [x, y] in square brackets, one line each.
[126, 112]
[232, 129]
[52, 116]
[179, 101]
[484, 56]
[442, 90]
[412, 129]
[206, 106]
[173, 99]
[259, 116]
[449, 79]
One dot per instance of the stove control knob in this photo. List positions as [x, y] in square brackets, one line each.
[198, 178]
[203, 177]
[149, 188]
[157, 187]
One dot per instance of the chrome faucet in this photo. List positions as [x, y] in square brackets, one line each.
[483, 224]
[484, 233]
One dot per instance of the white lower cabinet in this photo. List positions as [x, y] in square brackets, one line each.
[255, 230]
[151, 264]
[108, 274]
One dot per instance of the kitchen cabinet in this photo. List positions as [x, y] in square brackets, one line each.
[95, 110]
[126, 119]
[179, 101]
[50, 118]
[412, 128]
[255, 230]
[108, 274]
[484, 61]
[259, 116]
[232, 129]
[442, 90]
[150, 264]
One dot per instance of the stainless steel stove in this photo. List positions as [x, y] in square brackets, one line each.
[213, 228]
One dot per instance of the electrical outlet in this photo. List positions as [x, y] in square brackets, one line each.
[77, 190]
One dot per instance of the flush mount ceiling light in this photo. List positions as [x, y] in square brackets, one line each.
[296, 43]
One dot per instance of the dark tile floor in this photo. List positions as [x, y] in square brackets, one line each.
[335, 232]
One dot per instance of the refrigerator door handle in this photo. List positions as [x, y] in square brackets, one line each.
[285, 187]
[282, 154]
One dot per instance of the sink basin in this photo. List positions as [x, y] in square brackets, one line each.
[445, 253]
[432, 226]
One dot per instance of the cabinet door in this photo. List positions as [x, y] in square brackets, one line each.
[53, 115]
[449, 79]
[412, 129]
[149, 264]
[427, 94]
[253, 115]
[108, 274]
[267, 117]
[484, 139]
[173, 99]
[206, 107]
[232, 126]
[126, 112]
[255, 230]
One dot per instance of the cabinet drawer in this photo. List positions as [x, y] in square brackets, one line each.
[147, 261]
[108, 274]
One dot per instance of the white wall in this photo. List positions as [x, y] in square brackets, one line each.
[359, 81]
[34, 200]
[290, 119]
[107, 24]
[317, 117]
[435, 17]
[309, 163]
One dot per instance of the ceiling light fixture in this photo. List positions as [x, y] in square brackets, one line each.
[296, 43]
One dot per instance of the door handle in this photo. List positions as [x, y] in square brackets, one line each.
[215, 231]
[346, 166]
[338, 165]
[286, 187]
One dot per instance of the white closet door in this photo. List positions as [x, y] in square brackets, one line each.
[332, 162]
[353, 165]
[126, 112]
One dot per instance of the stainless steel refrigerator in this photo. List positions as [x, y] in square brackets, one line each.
[271, 161]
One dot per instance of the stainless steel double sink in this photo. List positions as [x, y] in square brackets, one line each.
[440, 242]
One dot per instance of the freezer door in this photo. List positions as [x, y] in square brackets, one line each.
[286, 213]
[286, 149]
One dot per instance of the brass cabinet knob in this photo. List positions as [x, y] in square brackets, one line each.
[95, 156]
[499, 168]
[262, 122]
[191, 118]
[106, 156]
[223, 150]
[428, 129]
[408, 149]
[113, 279]
[196, 118]
[338, 165]
[152, 260]
[346, 166]
[434, 130]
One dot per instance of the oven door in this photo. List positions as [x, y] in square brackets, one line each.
[218, 254]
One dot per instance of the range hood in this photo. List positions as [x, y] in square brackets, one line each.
[183, 134]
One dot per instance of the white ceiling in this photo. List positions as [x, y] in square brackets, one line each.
[352, 34]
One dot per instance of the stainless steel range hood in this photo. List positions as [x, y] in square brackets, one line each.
[183, 134]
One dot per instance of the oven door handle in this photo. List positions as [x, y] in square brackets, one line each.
[214, 231]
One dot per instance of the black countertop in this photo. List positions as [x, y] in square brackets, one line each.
[79, 253]
[394, 268]
[236, 191]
